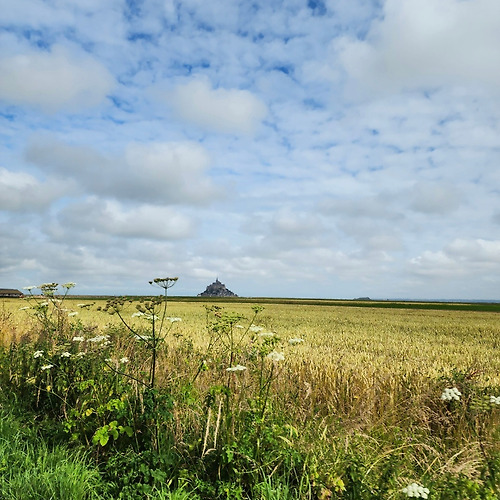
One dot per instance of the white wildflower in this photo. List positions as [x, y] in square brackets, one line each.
[78, 339]
[81, 354]
[137, 314]
[29, 288]
[68, 285]
[237, 368]
[142, 337]
[276, 356]
[82, 305]
[295, 341]
[450, 394]
[238, 326]
[98, 338]
[256, 329]
[44, 304]
[46, 367]
[65, 354]
[124, 360]
[38, 354]
[151, 317]
[108, 360]
[24, 308]
[266, 335]
[416, 491]
[495, 400]
[174, 320]
[73, 313]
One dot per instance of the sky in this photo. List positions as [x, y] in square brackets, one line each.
[294, 148]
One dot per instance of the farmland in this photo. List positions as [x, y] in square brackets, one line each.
[263, 398]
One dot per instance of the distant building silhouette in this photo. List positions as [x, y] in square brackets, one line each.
[217, 289]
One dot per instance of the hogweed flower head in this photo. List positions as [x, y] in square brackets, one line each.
[73, 313]
[255, 328]
[416, 491]
[451, 394]
[276, 356]
[29, 288]
[65, 354]
[265, 335]
[46, 367]
[78, 339]
[48, 288]
[38, 354]
[124, 360]
[164, 282]
[237, 368]
[68, 285]
[295, 341]
[173, 320]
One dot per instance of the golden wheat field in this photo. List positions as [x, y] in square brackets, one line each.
[370, 341]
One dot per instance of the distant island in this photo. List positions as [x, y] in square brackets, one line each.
[217, 289]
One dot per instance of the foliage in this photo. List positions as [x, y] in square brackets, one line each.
[257, 404]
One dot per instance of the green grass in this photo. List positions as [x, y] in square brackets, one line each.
[30, 469]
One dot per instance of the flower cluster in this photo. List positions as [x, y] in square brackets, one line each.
[173, 320]
[237, 368]
[266, 335]
[38, 354]
[495, 400]
[451, 394]
[295, 341]
[416, 491]
[164, 282]
[276, 356]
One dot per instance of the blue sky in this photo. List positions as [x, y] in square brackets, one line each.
[321, 148]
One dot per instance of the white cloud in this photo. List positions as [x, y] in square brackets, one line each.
[434, 198]
[156, 172]
[472, 258]
[53, 81]
[20, 191]
[427, 43]
[224, 110]
[111, 218]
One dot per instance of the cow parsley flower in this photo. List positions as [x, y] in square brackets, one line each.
[451, 394]
[137, 314]
[266, 335]
[73, 313]
[46, 367]
[68, 285]
[29, 288]
[78, 339]
[99, 338]
[295, 341]
[256, 329]
[124, 360]
[237, 368]
[276, 356]
[173, 320]
[416, 491]
[495, 400]
[65, 354]
[38, 354]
